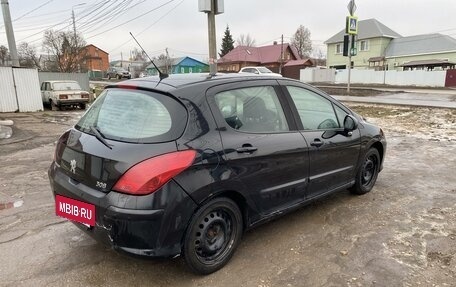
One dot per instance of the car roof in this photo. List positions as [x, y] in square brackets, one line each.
[177, 81]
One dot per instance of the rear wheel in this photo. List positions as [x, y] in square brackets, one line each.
[83, 106]
[213, 235]
[54, 107]
[367, 173]
[119, 77]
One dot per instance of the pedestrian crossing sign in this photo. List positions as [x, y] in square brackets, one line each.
[352, 25]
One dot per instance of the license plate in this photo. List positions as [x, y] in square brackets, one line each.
[75, 210]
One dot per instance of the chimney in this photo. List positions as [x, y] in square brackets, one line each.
[274, 43]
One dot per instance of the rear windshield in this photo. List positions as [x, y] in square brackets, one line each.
[135, 116]
[66, 86]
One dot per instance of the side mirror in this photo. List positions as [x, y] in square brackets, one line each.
[350, 123]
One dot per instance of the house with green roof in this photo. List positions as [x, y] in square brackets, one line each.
[381, 48]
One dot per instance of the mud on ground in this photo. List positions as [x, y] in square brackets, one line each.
[403, 233]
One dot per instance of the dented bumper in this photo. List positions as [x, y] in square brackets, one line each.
[153, 226]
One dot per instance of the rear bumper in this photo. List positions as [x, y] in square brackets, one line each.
[72, 101]
[151, 225]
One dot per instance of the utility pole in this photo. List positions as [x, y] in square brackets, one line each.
[10, 33]
[352, 30]
[74, 31]
[211, 8]
[281, 56]
[212, 42]
[349, 64]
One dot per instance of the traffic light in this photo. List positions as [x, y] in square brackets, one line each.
[346, 44]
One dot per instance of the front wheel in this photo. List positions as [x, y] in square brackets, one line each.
[213, 235]
[367, 173]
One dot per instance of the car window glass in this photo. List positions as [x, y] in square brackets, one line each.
[341, 114]
[254, 109]
[315, 111]
[64, 86]
[135, 116]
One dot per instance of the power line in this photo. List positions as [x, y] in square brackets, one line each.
[137, 17]
[31, 11]
[148, 27]
[62, 22]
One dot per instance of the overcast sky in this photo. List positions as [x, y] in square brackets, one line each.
[179, 26]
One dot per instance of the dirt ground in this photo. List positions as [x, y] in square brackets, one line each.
[403, 233]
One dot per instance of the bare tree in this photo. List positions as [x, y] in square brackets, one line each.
[137, 55]
[4, 54]
[302, 42]
[67, 49]
[167, 63]
[27, 56]
[246, 40]
[320, 58]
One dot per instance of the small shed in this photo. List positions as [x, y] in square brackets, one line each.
[292, 69]
[428, 65]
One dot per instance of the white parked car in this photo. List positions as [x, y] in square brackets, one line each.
[63, 93]
[262, 71]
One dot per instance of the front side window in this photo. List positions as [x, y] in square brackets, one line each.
[253, 109]
[135, 116]
[315, 112]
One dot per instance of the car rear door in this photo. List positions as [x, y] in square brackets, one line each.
[333, 154]
[264, 150]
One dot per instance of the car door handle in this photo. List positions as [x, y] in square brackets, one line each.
[316, 143]
[246, 149]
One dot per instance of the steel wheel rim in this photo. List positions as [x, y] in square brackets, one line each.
[214, 235]
[369, 170]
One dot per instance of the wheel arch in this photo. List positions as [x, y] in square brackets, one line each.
[380, 148]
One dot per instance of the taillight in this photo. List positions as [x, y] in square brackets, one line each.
[85, 95]
[63, 97]
[151, 174]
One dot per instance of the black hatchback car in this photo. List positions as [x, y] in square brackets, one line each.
[185, 165]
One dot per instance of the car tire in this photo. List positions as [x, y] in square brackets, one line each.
[109, 77]
[83, 106]
[119, 77]
[54, 107]
[367, 173]
[213, 235]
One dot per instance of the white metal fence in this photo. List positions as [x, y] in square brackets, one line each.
[19, 90]
[395, 78]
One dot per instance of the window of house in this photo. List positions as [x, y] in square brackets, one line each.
[190, 70]
[339, 48]
[253, 109]
[364, 45]
[182, 70]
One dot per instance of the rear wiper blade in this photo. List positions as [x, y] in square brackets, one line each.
[100, 136]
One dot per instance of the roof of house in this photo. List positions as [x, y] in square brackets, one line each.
[172, 61]
[370, 28]
[432, 62]
[302, 62]
[262, 55]
[420, 44]
[97, 48]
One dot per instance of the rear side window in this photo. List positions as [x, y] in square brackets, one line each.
[254, 109]
[135, 116]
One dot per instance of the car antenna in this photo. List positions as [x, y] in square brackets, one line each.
[161, 75]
